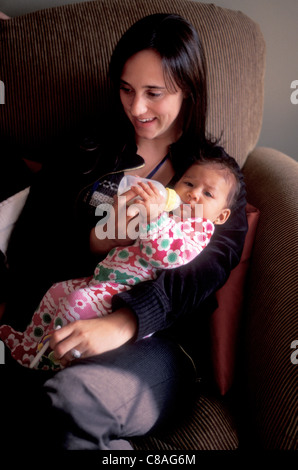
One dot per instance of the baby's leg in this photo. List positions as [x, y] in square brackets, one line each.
[94, 300]
[24, 345]
[46, 318]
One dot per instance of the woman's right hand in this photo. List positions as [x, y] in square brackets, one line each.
[116, 230]
[94, 336]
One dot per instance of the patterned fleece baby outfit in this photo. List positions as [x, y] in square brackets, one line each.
[166, 243]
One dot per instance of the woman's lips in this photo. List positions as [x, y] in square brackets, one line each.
[146, 122]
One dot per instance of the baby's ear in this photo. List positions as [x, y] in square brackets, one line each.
[222, 217]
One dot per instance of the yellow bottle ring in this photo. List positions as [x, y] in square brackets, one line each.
[172, 201]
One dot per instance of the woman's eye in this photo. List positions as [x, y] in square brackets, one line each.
[125, 89]
[188, 183]
[154, 95]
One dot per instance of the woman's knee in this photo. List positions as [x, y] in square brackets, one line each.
[133, 389]
[92, 405]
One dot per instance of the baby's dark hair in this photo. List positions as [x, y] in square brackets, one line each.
[216, 155]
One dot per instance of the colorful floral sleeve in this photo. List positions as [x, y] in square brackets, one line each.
[171, 242]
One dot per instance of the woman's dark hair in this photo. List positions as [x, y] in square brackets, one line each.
[184, 63]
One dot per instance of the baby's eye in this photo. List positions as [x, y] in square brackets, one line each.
[208, 194]
[188, 183]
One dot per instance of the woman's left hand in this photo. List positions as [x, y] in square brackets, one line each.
[94, 336]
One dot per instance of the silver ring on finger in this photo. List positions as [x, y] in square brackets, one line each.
[76, 353]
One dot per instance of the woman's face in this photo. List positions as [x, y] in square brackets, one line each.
[152, 108]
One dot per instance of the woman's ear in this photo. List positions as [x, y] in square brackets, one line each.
[222, 217]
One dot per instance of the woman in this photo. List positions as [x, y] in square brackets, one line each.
[124, 385]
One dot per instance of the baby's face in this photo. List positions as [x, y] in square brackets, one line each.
[206, 184]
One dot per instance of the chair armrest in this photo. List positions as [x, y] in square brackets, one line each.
[271, 323]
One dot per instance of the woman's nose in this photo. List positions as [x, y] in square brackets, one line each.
[138, 106]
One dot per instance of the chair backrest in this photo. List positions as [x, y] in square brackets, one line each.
[54, 68]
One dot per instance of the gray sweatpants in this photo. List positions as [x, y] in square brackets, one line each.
[101, 402]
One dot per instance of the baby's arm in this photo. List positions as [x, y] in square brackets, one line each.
[170, 242]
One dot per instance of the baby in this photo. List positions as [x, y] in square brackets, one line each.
[166, 241]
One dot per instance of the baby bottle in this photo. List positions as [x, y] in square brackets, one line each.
[171, 198]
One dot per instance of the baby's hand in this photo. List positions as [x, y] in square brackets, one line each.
[149, 202]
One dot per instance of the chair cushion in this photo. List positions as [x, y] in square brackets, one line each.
[225, 321]
[209, 426]
[54, 67]
[10, 210]
[271, 324]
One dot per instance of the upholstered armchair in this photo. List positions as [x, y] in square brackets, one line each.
[53, 64]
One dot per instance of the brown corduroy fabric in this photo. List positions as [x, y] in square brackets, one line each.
[60, 58]
[272, 299]
[208, 428]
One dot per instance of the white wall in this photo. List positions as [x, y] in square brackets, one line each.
[279, 23]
